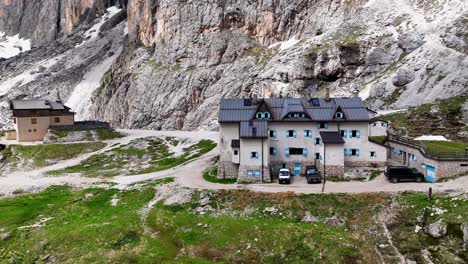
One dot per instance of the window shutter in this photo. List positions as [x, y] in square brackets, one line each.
[287, 133]
[358, 134]
[274, 133]
[318, 125]
[274, 151]
[305, 133]
[357, 152]
[294, 133]
[346, 152]
[345, 133]
[326, 125]
[250, 173]
[286, 152]
[305, 152]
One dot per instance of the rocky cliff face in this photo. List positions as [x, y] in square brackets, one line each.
[181, 57]
[44, 21]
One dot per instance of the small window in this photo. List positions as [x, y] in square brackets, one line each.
[373, 154]
[272, 133]
[317, 141]
[383, 124]
[57, 120]
[34, 121]
[339, 115]
[354, 152]
[353, 133]
[29, 130]
[296, 151]
[236, 152]
[317, 156]
[284, 166]
[14, 120]
[342, 132]
[374, 124]
[250, 173]
[273, 151]
[254, 155]
[290, 133]
[34, 130]
[423, 166]
[463, 165]
[257, 173]
[323, 125]
[315, 102]
[308, 133]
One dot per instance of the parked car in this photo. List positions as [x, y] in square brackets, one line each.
[313, 175]
[397, 174]
[284, 176]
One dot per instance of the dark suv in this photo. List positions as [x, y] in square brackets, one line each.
[397, 174]
[313, 175]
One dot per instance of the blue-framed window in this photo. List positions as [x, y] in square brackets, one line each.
[423, 166]
[317, 141]
[291, 134]
[254, 155]
[308, 133]
[322, 125]
[263, 115]
[355, 133]
[257, 173]
[317, 156]
[273, 133]
[353, 152]
[250, 173]
[344, 133]
[273, 151]
[286, 152]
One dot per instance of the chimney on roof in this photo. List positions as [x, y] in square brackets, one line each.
[327, 94]
[58, 99]
[255, 99]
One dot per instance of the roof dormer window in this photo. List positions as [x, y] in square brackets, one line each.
[339, 115]
[263, 115]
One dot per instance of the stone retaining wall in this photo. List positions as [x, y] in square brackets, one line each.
[243, 176]
[227, 170]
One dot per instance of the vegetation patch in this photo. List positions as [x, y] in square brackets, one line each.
[47, 154]
[408, 230]
[262, 54]
[444, 117]
[378, 139]
[139, 157]
[108, 134]
[97, 225]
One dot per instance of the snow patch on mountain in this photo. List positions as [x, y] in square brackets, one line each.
[11, 46]
[93, 32]
[80, 99]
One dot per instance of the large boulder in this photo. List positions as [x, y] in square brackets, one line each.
[410, 41]
[403, 77]
[437, 229]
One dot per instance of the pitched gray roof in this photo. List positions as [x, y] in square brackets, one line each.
[253, 129]
[238, 110]
[36, 104]
[29, 104]
[331, 137]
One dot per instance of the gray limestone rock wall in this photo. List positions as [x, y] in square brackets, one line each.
[181, 56]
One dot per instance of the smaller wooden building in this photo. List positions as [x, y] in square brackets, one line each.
[33, 118]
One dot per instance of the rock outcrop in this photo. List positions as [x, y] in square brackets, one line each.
[180, 57]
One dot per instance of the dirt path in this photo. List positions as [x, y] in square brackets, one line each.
[190, 175]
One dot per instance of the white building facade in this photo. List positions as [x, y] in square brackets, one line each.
[260, 136]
